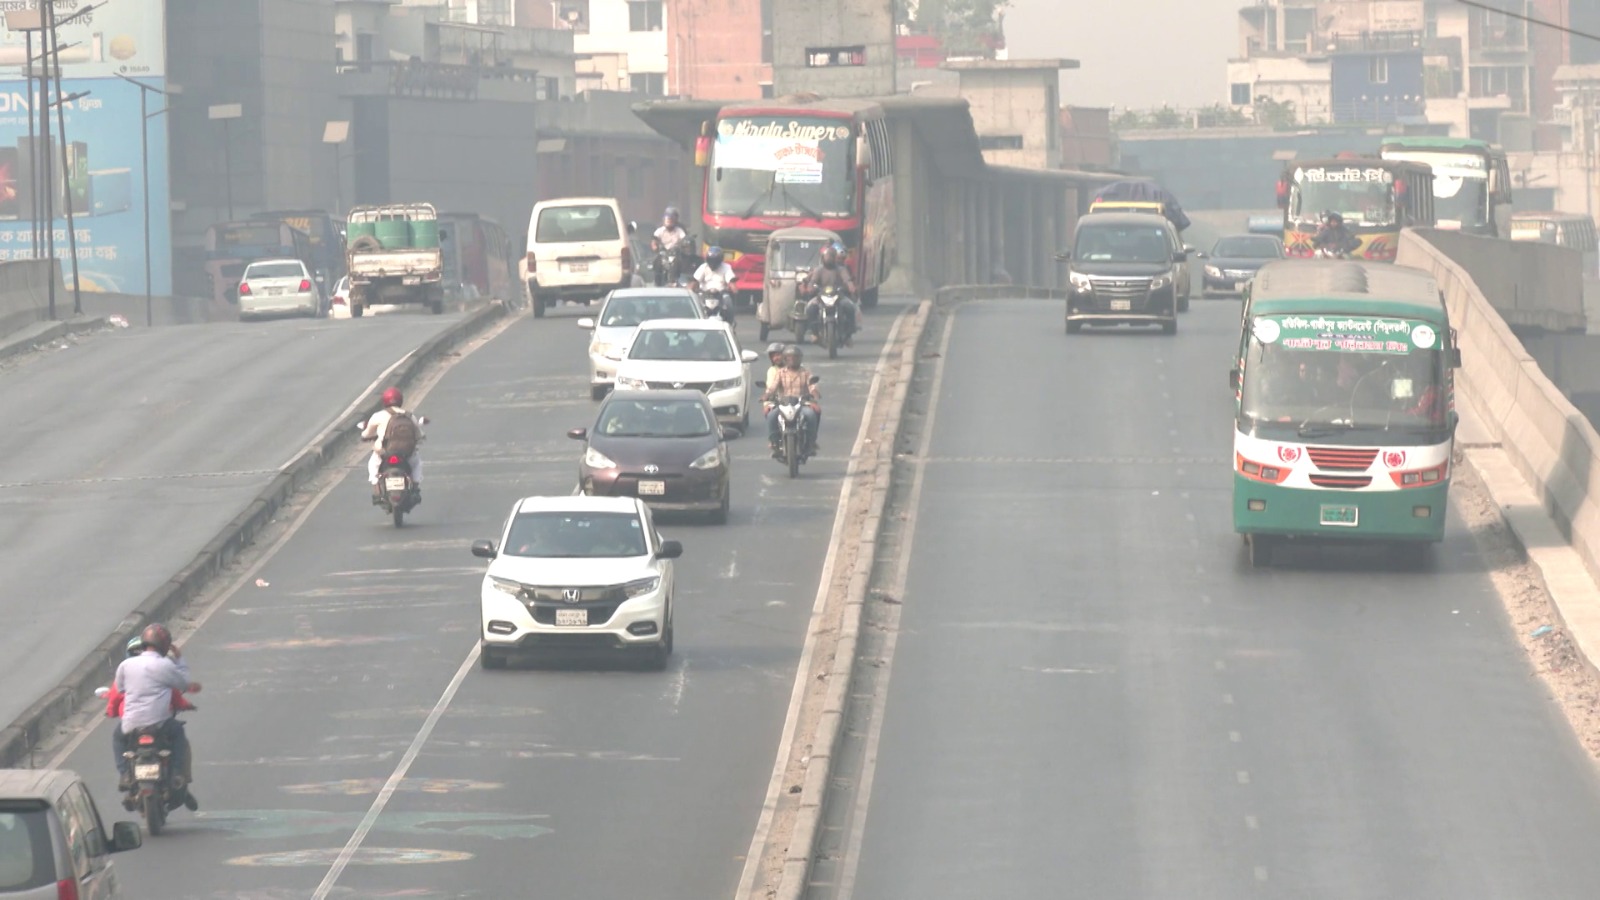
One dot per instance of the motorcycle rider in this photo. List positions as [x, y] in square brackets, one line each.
[775, 357]
[716, 277]
[146, 682]
[1333, 236]
[829, 274]
[792, 380]
[376, 431]
[114, 702]
[668, 237]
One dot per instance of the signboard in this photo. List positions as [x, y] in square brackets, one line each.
[1447, 165]
[102, 180]
[1345, 334]
[1343, 175]
[794, 151]
[126, 37]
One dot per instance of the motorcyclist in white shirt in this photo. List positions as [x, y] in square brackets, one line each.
[668, 237]
[376, 431]
[715, 276]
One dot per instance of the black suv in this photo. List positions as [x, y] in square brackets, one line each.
[1123, 269]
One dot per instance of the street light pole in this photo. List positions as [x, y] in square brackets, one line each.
[227, 162]
[144, 153]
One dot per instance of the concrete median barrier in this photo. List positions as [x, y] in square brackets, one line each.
[21, 737]
[25, 293]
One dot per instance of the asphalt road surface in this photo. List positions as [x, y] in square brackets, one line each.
[1094, 695]
[125, 454]
[575, 782]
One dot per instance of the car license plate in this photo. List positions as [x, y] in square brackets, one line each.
[653, 488]
[272, 292]
[1121, 305]
[566, 617]
[394, 484]
[577, 267]
[411, 279]
[1341, 516]
[147, 772]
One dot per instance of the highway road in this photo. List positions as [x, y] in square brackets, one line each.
[562, 781]
[1092, 694]
[125, 454]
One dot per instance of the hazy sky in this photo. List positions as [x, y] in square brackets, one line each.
[1138, 53]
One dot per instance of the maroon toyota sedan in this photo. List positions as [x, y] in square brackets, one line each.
[664, 447]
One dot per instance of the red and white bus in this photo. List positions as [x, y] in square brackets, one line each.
[773, 164]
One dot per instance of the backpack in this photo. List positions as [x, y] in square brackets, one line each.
[400, 435]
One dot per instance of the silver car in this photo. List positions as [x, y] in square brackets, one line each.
[624, 310]
[278, 287]
[52, 841]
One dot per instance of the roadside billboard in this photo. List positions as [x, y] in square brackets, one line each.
[126, 37]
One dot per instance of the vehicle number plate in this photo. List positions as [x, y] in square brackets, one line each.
[1121, 305]
[411, 279]
[147, 772]
[272, 292]
[653, 488]
[577, 267]
[394, 484]
[565, 617]
[1342, 516]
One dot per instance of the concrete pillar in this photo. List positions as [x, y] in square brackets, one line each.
[1050, 242]
[1000, 245]
[970, 232]
[948, 268]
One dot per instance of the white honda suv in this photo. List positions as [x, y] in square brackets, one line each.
[578, 573]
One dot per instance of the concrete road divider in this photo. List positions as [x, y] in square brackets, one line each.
[18, 740]
[39, 334]
[25, 293]
[1531, 285]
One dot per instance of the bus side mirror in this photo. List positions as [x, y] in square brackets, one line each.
[1233, 379]
[1453, 357]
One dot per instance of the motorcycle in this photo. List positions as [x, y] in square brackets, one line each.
[718, 304]
[794, 436]
[397, 493]
[670, 264]
[155, 789]
[831, 328]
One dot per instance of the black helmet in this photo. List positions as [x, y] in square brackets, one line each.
[157, 638]
[830, 256]
[714, 257]
[1329, 215]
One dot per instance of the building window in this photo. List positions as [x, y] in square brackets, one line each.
[1239, 94]
[1492, 29]
[1000, 142]
[828, 57]
[574, 15]
[766, 46]
[1378, 70]
[651, 83]
[1500, 81]
[644, 15]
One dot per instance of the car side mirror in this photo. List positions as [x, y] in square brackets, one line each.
[632, 226]
[1202, 256]
[1063, 256]
[586, 323]
[1233, 379]
[669, 550]
[484, 549]
[126, 836]
[1453, 357]
[1188, 249]
[815, 379]
[749, 356]
[578, 434]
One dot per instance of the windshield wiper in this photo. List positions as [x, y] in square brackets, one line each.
[800, 203]
[1323, 429]
[772, 184]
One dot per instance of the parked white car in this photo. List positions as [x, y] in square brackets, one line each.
[339, 302]
[578, 249]
[618, 320]
[693, 354]
[578, 573]
[278, 287]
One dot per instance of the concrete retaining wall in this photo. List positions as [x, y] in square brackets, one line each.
[1551, 443]
[25, 293]
[1534, 286]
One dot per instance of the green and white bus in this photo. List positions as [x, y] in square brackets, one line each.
[1471, 180]
[1345, 417]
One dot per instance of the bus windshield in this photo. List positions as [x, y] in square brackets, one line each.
[1362, 195]
[1315, 377]
[788, 166]
[1460, 184]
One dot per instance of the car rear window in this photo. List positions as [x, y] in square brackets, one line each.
[26, 858]
[1247, 248]
[274, 270]
[572, 224]
[626, 312]
[695, 344]
[654, 418]
[575, 535]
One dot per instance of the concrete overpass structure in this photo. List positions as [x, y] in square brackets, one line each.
[958, 219]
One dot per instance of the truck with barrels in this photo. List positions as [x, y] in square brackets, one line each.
[393, 256]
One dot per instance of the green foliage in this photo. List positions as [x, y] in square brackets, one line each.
[959, 24]
[1279, 114]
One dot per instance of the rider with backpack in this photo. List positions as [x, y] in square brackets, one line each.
[394, 432]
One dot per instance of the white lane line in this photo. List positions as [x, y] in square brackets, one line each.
[680, 682]
[399, 774]
[349, 409]
[1252, 823]
[1235, 737]
[769, 806]
[1228, 699]
[732, 571]
[1261, 873]
[1243, 776]
[855, 828]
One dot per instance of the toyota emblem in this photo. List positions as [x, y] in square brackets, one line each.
[571, 595]
[652, 469]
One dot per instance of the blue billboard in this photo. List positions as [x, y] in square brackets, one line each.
[102, 180]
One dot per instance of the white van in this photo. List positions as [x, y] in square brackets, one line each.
[52, 841]
[578, 249]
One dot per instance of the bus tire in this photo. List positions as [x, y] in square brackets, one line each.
[1260, 547]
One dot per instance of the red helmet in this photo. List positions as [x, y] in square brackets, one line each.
[393, 397]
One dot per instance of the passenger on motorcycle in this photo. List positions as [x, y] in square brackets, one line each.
[114, 701]
[1333, 236]
[668, 237]
[146, 683]
[716, 277]
[775, 357]
[792, 380]
[377, 432]
[829, 274]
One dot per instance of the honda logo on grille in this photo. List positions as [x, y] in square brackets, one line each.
[651, 469]
[571, 595]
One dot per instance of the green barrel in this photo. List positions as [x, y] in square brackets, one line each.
[394, 232]
[355, 230]
[424, 234]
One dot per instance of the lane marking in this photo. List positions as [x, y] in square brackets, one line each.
[1261, 873]
[1235, 737]
[399, 774]
[856, 826]
[753, 859]
[1252, 823]
[1243, 776]
[348, 409]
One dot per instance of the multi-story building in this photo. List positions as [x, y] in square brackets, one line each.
[1501, 68]
[720, 49]
[603, 30]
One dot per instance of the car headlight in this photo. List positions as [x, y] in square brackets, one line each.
[641, 587]
[1079, 282]
[609, 351]
[708, 460]
[631, 384]
[514, 588]
[726, 384]
[1160, 281]
[1213, 271]
[594, 459]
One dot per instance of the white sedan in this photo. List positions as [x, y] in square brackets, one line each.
[578, 573]
[693, 354]
[339, 303]
[620, 316]
[278, 287]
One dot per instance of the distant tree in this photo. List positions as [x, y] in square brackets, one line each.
[1128, 120]
[1167, 117]
[961, 25]
[1279, 114]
